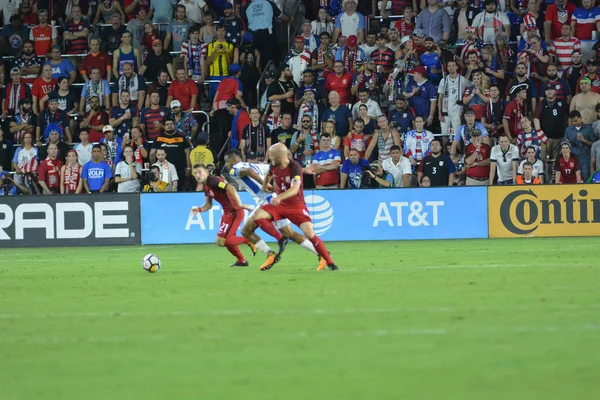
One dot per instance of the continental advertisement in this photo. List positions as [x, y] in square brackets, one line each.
[544, 211]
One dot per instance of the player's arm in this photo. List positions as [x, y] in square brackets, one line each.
[236, 197]
[291, 192]
[265, 184]
[249, 172]
[207, 204]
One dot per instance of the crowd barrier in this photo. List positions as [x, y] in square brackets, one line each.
[338, 215]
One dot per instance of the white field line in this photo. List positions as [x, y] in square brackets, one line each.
[189, 313]
[301, 335]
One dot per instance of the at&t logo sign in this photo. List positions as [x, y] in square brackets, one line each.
[321, 213]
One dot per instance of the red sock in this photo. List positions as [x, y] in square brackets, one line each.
[321, 249]
[267, 226]
[236, 240]
[235, 251]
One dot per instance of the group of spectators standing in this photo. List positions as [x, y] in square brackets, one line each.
[451, 93]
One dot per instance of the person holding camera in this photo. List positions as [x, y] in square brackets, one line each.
[8, 186]
[154, 185]
[376, 177]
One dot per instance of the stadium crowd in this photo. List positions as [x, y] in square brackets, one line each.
[121, 95]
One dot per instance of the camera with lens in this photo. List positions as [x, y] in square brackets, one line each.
[148, 176]
[460, 103]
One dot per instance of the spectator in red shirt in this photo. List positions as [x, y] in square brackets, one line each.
[97, 59]
[44, 36]
[341, 82]
[42, 86]
[477, 159]
[49, 171]
[567, 166]
[557, 15]
[94, 120]
[183, 89]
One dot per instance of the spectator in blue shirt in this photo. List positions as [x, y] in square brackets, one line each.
[61, 66]
[340, 114]
[14, 35]
[96, 173]
[431, 60]
[402, 116]
[434, 21]
[351, 174]
[422, 94]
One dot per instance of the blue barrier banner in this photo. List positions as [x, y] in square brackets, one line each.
[377, 214]
[166, 218]
[400, 214]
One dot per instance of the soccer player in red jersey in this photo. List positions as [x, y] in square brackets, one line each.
[233, 212]
[289, 203]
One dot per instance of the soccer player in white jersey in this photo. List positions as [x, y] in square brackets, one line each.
[251, 176]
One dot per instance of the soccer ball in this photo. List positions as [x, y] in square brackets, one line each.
[151, 263]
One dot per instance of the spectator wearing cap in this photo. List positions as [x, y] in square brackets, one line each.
[322, 58]
[462, 136]
[14, 93]
[234, 26]
[270, 77]
[184, 89]
[581, 138]
[351, 55]
[220, 56]
[132, 82]
[195, 10]
[177, 30]
[185, 123]
[373, 109]
[298, 59]
[477, 160]
[383, 56]
[350, 22]
[229, 88]
[422, 94]
[13, 36]
[151, 118]
[241, 119]
[53, 115]
[44, 36]
[311, 41]
[490, 21]
[434, 21]
[124, 115]
[585, 102]
[22, 122]
[563, 91]
[76, 33]
[529, 24]
[585, 20]
[463, 17]
[515, 110]
[309, 106]
[114, 145]
[193, 52]
[551, 116]
[558, 14]
[157, 60]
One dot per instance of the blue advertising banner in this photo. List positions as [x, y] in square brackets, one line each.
[377, 214]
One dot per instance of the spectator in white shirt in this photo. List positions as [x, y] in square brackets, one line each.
[398, 166]
[373, 109]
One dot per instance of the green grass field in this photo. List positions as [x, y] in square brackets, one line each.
[477, 319]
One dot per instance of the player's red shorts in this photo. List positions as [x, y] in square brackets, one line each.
[296, 215]
[229, 224]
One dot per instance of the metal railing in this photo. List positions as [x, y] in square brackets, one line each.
[260, 80]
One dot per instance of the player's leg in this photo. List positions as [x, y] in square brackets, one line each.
[307, 229]
[264, 218]
[248, 231]
[226, 236]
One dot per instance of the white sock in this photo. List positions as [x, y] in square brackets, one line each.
[308, 246]
[262, 246]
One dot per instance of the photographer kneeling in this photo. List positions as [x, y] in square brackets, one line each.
[377, 177]
[152, 180]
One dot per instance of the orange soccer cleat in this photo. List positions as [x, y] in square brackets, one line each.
[272, 259]
[322, 264]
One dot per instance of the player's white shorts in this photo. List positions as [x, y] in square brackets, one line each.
[278, 224]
